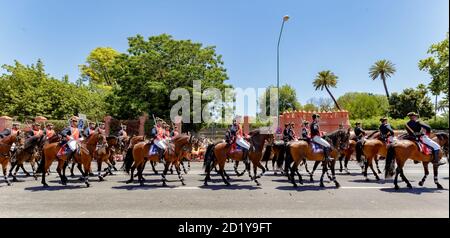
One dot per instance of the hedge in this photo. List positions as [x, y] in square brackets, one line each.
[441, 123]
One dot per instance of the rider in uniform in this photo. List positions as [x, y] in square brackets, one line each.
[89, 130]
[101, 128]
[237, 136]
[316, 137]
[359, 132]
[70, 133]
[49, 132]
[35, 131]
[386, 131]
[414, 128]
[305, 130]
[157, 139]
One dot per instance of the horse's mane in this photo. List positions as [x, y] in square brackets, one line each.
[32, 141]
[334, 135]
[254, 132]
[180, 138]
[373, 133]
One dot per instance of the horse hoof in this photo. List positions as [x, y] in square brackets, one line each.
[205, 184]
[9, 184]
[45, 185]
[27, 174]
[101, 179]
[367, 180]
[142, 184]
[421, 183]
[15, 179]
[88, 184]
[227, 184]
[129, 181]
[439, 186]
[183, 183]
[409, 186]
[338, 185]
[396, 187]
[322, 185]
[72, 175]
[379, 172]
[295, 185]
[91, 174]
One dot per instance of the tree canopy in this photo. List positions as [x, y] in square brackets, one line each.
[411, 100]
[364, 105]
[99, 66]
[27, 91]
[287, 102]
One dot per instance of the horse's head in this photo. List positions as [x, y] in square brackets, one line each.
[339, 139]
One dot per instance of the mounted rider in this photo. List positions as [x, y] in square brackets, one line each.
[386, 131]
[288, 133]
[305, 130]
[316, 137]
[359, 132]
[70, 136]
[237, 136]
[35, 131]
[49, 132]
[101, 128]
[123, 132]
[157, 139]
[414, 128]
[89, 130]
[174, 132]
[14, 130]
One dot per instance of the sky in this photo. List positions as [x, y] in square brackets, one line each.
[345, 36]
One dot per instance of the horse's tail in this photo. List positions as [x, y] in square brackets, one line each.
[359, 151]
[280, 157]
[288, 159]
[128, 160]
[267, 152]
[390, 162]
[209, 158]
[41, 164]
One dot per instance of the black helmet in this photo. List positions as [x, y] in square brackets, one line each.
[314, 116]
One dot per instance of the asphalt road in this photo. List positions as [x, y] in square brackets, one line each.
[274, 198]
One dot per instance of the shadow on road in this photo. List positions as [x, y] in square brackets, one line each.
[213, 187]
[54, 188]
[371, 181]
[304, 188]
[414, 190]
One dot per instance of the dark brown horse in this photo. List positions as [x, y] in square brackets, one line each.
[27, 151]
[218, 153]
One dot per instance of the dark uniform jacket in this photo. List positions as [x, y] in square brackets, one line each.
[315, 129]
[304, 133]
[414, 128]
[385, 129]
[288, 135]
[359, 132]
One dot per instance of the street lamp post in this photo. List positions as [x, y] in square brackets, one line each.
[285, 19]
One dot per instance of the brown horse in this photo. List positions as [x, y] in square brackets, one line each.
[297, 151]
[27, 151]
[104, 154]
[218, 153]
[90, 143]
[5, 147]
[173, 154]
[402, 150]
[81, 156]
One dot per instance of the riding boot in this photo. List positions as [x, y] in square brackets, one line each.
[436, 161]
[326, 154]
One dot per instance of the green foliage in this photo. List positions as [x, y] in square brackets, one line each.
[27, 91]
[99, 65]
[287, 101]
[310, 107]
[437, 66]
[152, 68]
[442, 123]
[364, 105]
[326, 80]
[411, 100]
[382, 69]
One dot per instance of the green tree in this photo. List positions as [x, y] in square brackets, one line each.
[287, 101]
[437, 66]
[310, 107]
[27, 91]
[364, 105]
[382, 69]
[325, 80]
[152, 68]
[99, 65]
[411, 100]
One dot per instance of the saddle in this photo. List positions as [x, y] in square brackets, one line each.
[316, 148]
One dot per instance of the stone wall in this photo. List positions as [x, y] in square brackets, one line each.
[329, 121]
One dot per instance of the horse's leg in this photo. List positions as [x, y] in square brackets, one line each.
[236, 165]
[71, 169]
[347, 158]
[373, 170]
[340, 163]
[207, 177]
[152, 163]
[17, 167]
[221, 172]
[99, 169]
[171, 169]
[427, 172]
[141, 171]
[366, 166]
[33, 167]
[263, 170]
[314, 169]
[5, 170]
[13, 165]
[24, 170]
[397, 173]
[267, 168]
[324, 170]
[408, 184]
[294, 169]
[333, 174]
[133, 167]
[435, 173]
[378, 167]
[306, 166]
[166, 168]
[226, 175]
[184, 168]
[180, 177]
[59, 171]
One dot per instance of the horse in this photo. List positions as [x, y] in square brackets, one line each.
[90, 144]
[82, 157]
[218, 153]
[104, 153]
[175, 150]
[27, 151]
[297, 151]
[402, 150]
[5, 149]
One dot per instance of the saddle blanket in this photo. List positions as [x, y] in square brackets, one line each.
[424, 148]
[316, 148]
[236, 148]
[65, 150]
[153, 150]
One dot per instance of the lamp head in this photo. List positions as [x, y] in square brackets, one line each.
[286, 18]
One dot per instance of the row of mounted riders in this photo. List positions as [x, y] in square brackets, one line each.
[252, 149]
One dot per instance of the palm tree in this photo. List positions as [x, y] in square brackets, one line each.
[382, 69]
[325, 80]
